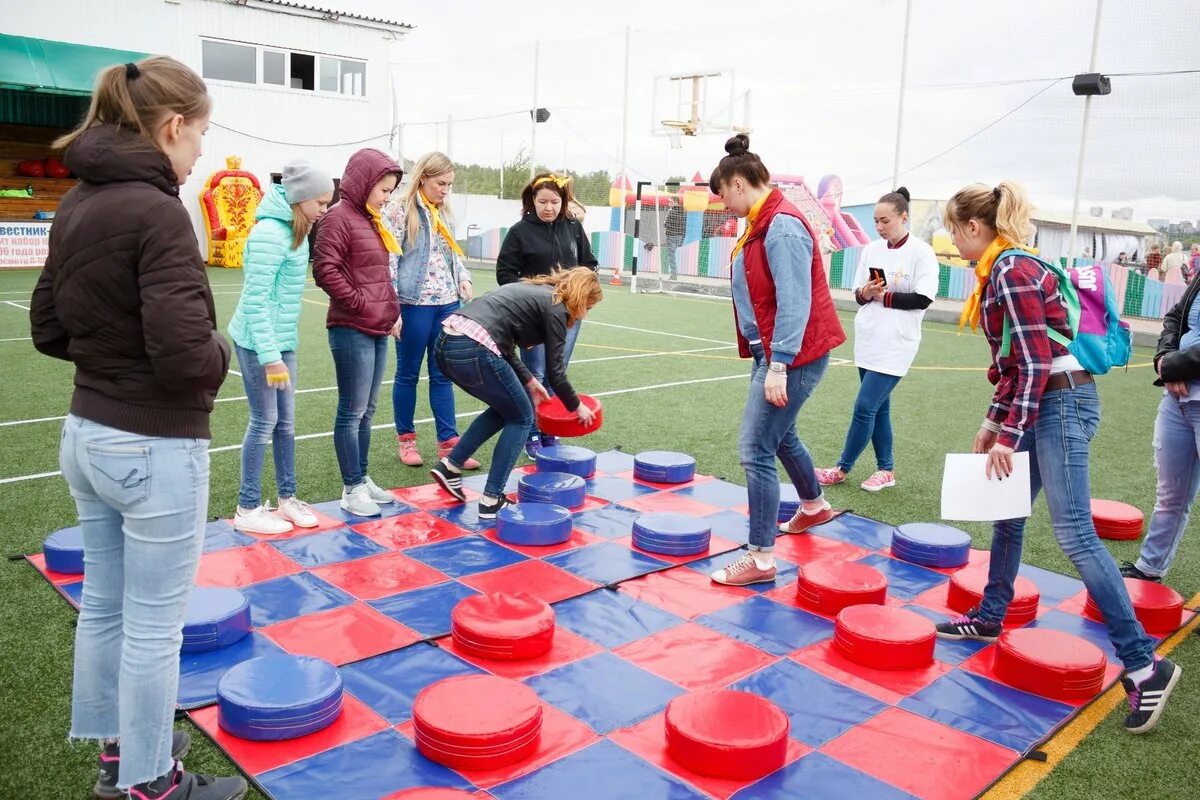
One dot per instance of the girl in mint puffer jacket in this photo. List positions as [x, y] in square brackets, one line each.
[264, 330]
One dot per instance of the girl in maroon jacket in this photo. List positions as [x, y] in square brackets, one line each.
[352, 263]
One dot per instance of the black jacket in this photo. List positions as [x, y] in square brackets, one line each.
[533, 248]
[1170, 362]
[675, 223]
[525, 315]
[124, 294]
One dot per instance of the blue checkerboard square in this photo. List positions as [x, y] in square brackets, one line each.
[464, 515]
[613, 462]
[427, 610]
[391, 682]
[614, 490]
[719, 493]
[606, 563]
[1052, 587]
[611, 619]
[602, 771]
[772, 627]
[330, 547]
[817, 775]
[605, 691]
[905, 580]
[333, 509]
[292, 596]
[785, 571]
[611, 522]
[730, 525]
[853, 529]
[220, 535]
[948, 651]
[466, 555]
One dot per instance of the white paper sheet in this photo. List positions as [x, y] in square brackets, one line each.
[968, 494]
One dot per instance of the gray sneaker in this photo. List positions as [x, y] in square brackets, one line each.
[357, 500]
[380, 496]
[110, 761]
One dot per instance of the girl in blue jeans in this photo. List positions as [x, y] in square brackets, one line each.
[1047, 405]
[124, 297]
[430, 280]
[264, 330]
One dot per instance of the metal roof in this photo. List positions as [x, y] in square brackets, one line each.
[333, 14]
[1093, 223]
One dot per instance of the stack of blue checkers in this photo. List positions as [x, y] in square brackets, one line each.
[534, 524]
[64, 551]
[567, 458]
[931, 545]
[671, 534]
[559, 488]
[279, 697]
[215, 618]
[661, 466]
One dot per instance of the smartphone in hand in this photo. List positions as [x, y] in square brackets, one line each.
[877, 276]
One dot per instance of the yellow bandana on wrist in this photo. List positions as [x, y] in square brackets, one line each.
[750, 219]
[983, 270]
[389, 241]
[439, 227]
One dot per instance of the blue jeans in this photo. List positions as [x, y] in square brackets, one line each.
[422, 326]
[359, 361]
[767, 432]
[272, 420]
[488, 377]
[142, 503]
[1177, 458]
[672, 244]
[1058, 461]
[535, 359]
[872, 420]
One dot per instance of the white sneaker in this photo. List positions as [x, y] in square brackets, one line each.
[380, 496]
[261, 521]
[299, 513]
[358, 501]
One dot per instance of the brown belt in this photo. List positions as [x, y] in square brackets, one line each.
[1067, 380]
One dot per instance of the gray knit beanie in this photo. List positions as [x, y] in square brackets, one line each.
[302, 181]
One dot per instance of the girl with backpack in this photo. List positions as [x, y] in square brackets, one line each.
[264, 329]
[1045, 404]
[124, 297]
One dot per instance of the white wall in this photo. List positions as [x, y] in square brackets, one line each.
[488, 211]
[175, 28]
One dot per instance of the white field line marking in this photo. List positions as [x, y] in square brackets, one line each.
[18, 339]
[660, 333]
[229, 448]
[235, 372]
[15, 304]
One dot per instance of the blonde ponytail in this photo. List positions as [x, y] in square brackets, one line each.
[1006, 209]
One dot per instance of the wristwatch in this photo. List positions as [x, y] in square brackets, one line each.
[778, 368]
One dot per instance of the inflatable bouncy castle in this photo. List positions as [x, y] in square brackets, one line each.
[229, 200]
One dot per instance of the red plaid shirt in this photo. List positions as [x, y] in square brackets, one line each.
[1027, 293]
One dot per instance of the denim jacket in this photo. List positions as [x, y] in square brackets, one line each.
[409, 269]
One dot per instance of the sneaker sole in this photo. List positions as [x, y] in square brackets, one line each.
[346, 507]
[258, 532]
[316, 523]
[879, 488]
[958, 637]
[743, 583]
[459, 495]
[1162, 704]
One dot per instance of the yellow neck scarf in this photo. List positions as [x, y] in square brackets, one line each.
[439, 227]
[389, 241]
[750, 218]
[983, 270]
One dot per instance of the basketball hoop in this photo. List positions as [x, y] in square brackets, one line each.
[676, 129]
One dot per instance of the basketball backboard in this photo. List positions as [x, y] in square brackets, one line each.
[698, 103]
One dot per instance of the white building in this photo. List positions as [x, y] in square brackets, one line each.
[287, 79]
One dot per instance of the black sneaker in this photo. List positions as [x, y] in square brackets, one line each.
[1130, 570]
[180, 785]
[448, 479]
[110, 760]
[969, 626]
[1148, 698]
[490, 510]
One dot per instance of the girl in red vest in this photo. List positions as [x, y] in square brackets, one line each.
[786, 322]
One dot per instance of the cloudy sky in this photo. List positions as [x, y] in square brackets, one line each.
[823, 79]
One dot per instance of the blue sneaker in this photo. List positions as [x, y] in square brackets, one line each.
[549, 441]
[533, 446]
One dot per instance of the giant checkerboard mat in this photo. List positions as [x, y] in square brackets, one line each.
[634, 630]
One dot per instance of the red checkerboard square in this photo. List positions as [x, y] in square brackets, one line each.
[695, 657]
[324, 523]
[408, 530]
[788, 595]
[242, 566]
[928, 759]
[341, 635]
[579, 538]
[716, 546]
[380, 575]
[57, 578]
[802, 548]
[628, 475]
[975, 558]
[567, 648]
[684, 592]
[356, 722]
[537, 578]
[890, 686]
[562, 735]
[669, 501]
[648, 739]
[430, 495]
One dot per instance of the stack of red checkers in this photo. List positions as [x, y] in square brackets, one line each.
[1050, 663]
[727, 734]
[829, 585]
[966, 592]
[503, 627]
[1115, 520]
[1159, 608]
[553, 419]
[477, 722]
[883, 637]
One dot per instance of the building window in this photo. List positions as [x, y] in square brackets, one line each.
[274, 67]
[225, 61]
[303, 72]
[343, 76]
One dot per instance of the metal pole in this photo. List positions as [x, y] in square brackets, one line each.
[501, 192]
[537, 46]
[624, 127]
[903, 86]
[1087, 108]
[450, 136]
[637, 231]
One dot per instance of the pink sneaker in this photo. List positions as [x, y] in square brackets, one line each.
[830, 477]
[801, 522]
[744, 571]
[883, 479]
[410, 456]
[445, 447]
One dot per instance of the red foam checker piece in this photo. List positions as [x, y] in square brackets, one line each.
[727, 734]
[887, 685]
[684, 592]
[1050, 663]
[648, 739]
[1157, 606]
[579, 538]
[356, 721]
[983, 663]
[242, 566]
[503, 627]
[920, 756]
[477, 722]
[829, 585]
[380, 575]
[342, 635]
[966, 592]
[565, 648]
[408, 530]
[1115, 520]
[533, 577]
[883, 637]
[695, 657]
[554, 419]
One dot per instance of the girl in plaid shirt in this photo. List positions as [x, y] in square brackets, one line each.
[1047, 405]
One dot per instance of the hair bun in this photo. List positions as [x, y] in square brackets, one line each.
[738, 145]
[903, 192]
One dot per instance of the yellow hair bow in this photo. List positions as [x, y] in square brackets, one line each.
[561, 181]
